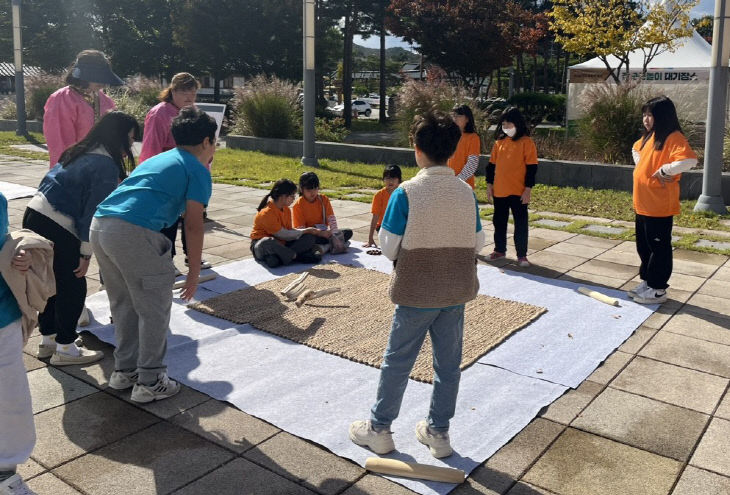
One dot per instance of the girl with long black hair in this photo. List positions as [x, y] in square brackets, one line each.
[61, 211]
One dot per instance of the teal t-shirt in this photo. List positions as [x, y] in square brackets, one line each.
[9, 310]
[154, 194]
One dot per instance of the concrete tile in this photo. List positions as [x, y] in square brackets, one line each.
[689, 353]
[212, 240]
[724, 410]
[703, 303]
[32, 363]
[554, 260]
[697, 481]
[566, 408]
[700, 326]
[679, 386]
[621, 257]
[551, 235]
[608, 269]
[96, 374]
[48, 483]
[239, 473]
[579, 463]
[523, 488]
[305, 463]
[233, 250]
[723, 273]
[661, 428]
[610, 367]
[677, 296]
[245, 220]
[713, 452]
[717, 288]
[539, 244]
[699, 257]
[661, 315]
[592, 279]
[73, 429]
[548, 222]
[376, 485]
[693, 268]
[579, 250]
[604, 229]
[182, 401]
[30, 469]
[685, 282]
[225, 425]
[641, 336]
[50, 387]
[159, 459]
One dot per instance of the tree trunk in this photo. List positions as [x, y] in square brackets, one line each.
[216, 89]
[534, 72]
[564, 74]
[347, 65]
[499, 82]
[545, 61]
[383, 98]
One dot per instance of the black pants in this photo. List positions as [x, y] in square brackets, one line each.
[62, 311]
[654, 245]
[171, 233]
[272, 253]
[502, 207]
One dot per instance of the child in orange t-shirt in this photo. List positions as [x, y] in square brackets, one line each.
[510, 178]
[273, 240]
[661, 156]
[315, 210]
[465, 160]
[392, 177]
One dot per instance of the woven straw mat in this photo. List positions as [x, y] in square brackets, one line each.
[355, 322]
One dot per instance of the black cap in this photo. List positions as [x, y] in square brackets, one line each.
[95, 70]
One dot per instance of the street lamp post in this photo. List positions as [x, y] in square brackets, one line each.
[711, 198]
[308, 153]
[19, 83]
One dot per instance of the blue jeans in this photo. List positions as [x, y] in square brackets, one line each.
[446, 327]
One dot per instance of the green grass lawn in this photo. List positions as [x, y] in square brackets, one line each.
[9, 138]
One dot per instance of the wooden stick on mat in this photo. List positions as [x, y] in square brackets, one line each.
[292, 294]
[598, 296]
[314, 294]
[203, 278]
[298, 281]
[414, 470]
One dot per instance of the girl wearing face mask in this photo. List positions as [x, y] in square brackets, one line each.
[465, 159]
[510, 178]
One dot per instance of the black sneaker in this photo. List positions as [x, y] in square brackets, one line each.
[204, 265]
[309, 257]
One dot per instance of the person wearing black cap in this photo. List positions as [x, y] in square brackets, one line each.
[71, 111]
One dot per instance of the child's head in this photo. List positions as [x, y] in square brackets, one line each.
[435, 136]
[464, 118]
[660, 117]
[284, 189]
[511, 124]
[309, 186]
[193, 128]
[392, 177]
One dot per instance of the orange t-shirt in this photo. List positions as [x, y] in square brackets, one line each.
[380, 203]
[270, 220]
[511, 159]
[469, 144]
[651, 197]
[306, 214]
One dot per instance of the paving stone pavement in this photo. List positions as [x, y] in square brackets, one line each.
[653, 419]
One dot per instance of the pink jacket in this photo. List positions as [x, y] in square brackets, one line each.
[68, 118]
[157, 136]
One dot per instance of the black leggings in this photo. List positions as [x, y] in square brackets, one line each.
[272, 253]
[63, 310]
[654, 245]
[502, 207]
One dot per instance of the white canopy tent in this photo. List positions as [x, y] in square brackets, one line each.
[682, 75]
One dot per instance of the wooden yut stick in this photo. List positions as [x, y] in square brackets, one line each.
[312, 294]
[414, 470]
[294, 293]
[203, 278]
[298, 281]
[598, 296]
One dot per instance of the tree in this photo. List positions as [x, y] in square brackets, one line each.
[466, 38]
[615, 28]
[703, 25]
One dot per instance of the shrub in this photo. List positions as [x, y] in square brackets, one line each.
[417, 97]
[332, 130]
[136, 97]
[8, 109]
[37, 90]
[267, 107]
[539, 106]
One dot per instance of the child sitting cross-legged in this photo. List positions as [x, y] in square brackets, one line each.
[273, 240]
[313, 209]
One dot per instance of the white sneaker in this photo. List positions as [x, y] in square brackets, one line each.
[639, 288]
[122, 380]
[85, 356]
[363, 434]
[651, 296]
[46, 350]
[84, 318]
[438, 443]
[15, 486]
[164, 388]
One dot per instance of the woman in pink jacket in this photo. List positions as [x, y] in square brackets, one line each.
[72, 111]
[157, 138]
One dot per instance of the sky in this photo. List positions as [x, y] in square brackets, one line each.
[704, 7]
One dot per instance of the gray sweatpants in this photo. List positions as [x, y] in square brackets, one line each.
[138, 275]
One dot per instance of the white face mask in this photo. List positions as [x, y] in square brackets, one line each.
[510, 132]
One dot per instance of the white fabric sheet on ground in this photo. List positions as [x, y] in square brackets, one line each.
[316, 395]
[15, 191]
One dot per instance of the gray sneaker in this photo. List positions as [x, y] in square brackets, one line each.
[639, 288]
[15, 486]
[437, 442]
[85, 356]
[122, 380]
[379, 441]
[164, 388]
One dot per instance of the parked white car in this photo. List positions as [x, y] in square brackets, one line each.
[372, 99]
[362, 107]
